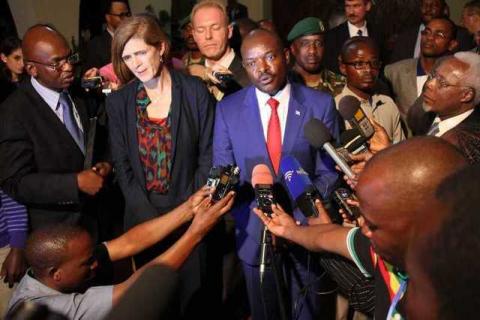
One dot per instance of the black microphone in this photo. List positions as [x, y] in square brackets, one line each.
[350, 110]
[353, 141]
[262, 181]
[318, 136]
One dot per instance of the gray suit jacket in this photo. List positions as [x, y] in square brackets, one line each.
[402, 77]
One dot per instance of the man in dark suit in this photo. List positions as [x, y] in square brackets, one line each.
[99, 48]
[407, 77]
[259, 125]
[211, 31]
[356, 25]
[42, 136]
[407, 45]
[449, 104]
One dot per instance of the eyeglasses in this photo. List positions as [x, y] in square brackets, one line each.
[442, 82]
[361, 65]
[121, 14]
[71, 59]
[436, 34]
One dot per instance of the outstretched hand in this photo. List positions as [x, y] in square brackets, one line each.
[207, 214]
[279, 222]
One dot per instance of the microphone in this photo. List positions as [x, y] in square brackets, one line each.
[350, 110]
[353, 141]
[318, 136]
[262, 181]
[300, 186]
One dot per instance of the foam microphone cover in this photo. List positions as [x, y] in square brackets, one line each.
[153, 296]
[261, 175]
[316, 133]
[348, 106]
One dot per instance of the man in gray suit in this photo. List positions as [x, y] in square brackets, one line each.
[407, 77]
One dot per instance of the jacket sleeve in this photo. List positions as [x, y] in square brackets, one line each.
[18, 174]
[206, 107]
[135, 197]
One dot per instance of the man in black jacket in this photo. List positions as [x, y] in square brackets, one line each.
[43, 131]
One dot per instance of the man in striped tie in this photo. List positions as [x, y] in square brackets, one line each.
[260, 124]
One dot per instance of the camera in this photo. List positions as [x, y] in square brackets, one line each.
[341, 195]
[224, 179]
[264, 198]
[222, 77]
[91, 83]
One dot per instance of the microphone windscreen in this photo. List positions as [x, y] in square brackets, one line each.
[348, 106]
[261, 175]
[296, 179]
[316, 133]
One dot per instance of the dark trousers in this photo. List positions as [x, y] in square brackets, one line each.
[310, 294]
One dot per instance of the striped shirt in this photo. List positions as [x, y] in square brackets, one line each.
[13, 222]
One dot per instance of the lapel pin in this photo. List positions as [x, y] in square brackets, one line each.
[297, 113]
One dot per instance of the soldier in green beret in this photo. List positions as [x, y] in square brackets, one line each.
[307, 46]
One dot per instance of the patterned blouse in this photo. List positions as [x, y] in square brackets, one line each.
[154, 145]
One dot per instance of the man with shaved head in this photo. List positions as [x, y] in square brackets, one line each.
[259, 125]
[42, 137]
[393, 198]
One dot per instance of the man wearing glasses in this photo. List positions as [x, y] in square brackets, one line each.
[452, 94]
[359, 62]
[407, 77]
[42, 137]
[99, 48]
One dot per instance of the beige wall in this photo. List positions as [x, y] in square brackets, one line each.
[63, 14]
[456, 7]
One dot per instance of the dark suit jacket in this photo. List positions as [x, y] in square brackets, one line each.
[39, 160]
[405, 44]
[192, 116]
[239, 79]
[239, 140]
[334, 40]
[99, 51]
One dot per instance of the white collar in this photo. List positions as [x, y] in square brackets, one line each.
[50, 96]
[450, 123]
[281, 95]
[353, 30]
[225, 61]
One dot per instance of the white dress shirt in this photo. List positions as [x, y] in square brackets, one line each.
[450, 123]
[283, 97]
[353, 30]
[224, 61]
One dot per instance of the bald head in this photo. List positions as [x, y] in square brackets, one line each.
[397, 187]
[47, 247]
[39, 36]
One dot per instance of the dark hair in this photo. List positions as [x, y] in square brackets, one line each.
[450, 256]
[10, 44]
[354, 42]
[7, 47]
[474, 4]
[453, 26]
[142, 26]
[47, 246]
[108, 5]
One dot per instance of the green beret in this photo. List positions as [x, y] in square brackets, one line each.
[305, 27]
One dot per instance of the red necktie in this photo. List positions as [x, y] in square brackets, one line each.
[274, 135]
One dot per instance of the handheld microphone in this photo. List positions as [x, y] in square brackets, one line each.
[300, 186]
[350, 110]
[318, 136]
[353, 141]
[262, 181]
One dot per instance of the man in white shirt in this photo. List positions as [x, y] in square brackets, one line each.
[356, 25]
[223, 69]
[452, 93]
